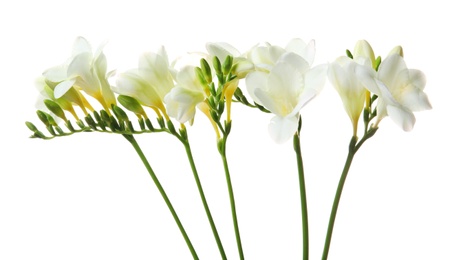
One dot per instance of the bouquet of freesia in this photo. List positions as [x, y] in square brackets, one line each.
[268, 78]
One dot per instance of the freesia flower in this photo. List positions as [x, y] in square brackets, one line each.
[182, 100]
[288, 87]
[149, 83]
[284, 82]
[66, 102]
[400, 90]
[85, 71]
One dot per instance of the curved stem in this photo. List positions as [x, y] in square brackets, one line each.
[204, 201]
[141, 155]
[222, 150]
[302, 191]
[339, 190]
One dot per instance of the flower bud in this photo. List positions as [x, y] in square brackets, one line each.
[131, 104]
[206, 70]
[227, 65]
[55, 109]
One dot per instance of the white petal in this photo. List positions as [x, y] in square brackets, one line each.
[367, 76]
[402, 117]
[417, 78]
[56, 74]
[222, 50]
[415, 99]
[80, 65]
[390, 70]
[256, 80]
[80, 45]
[181, 102]
[296, 61]
[315, 78]
[281, 129]
[63, 87]
[306, 51]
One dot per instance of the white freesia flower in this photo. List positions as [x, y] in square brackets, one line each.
[288, 87]
[66, 102]
[86, 71]
[182, 100]
[342, 76]
[149, 83]
[400, 90]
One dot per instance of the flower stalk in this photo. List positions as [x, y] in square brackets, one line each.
[187, 147]
[144, 160]
[302, 192]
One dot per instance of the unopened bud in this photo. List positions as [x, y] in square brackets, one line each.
[55, 109]
[227, 65]
[131, 104]
[206, 70]
[217, 65]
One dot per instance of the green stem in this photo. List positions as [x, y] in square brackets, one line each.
[135, 144]
[222, 150]
[302, 191]
[204, 201]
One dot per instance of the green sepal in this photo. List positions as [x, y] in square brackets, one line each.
[100, 121]
[70, 126]
[90, 121]
[142, 125]
[161, 122]
[149, 125]
[171, 127]
[227, 127]
[221, 146]
[106, 118]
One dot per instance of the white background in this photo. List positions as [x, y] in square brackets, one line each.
[88, 196]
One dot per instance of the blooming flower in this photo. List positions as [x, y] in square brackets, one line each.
[66, 102]
[182, 100]
[400, 90]
[84, 71]
[286, 86]
[149, 83]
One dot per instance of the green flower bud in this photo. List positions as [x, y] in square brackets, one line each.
[31, 127]
[131, 104]
[217, 65]
[206, 70]
[55, 109]
[200, 76]
[377, 63]
[42, 116]
[120, 114]
[226, 67]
